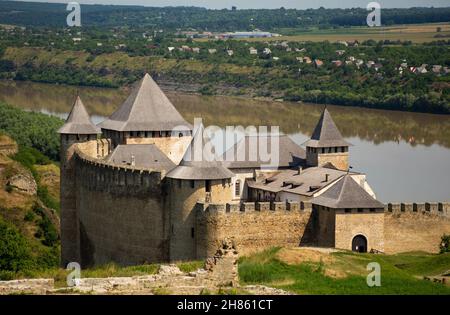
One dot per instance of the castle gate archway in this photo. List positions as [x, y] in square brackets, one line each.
[359, 244]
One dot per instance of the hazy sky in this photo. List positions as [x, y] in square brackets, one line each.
[245, 4]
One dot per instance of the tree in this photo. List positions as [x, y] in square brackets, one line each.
[15, 254]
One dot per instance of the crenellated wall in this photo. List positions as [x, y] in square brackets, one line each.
[436, 208]
[415, 226]
[121, 213]
[253, 226]
[256, 226]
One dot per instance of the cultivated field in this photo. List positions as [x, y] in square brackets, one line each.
[417, 33]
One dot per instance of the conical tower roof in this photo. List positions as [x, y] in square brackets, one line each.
[146, 109]
[79, 121]
[326, 134]
[200, 162]
[346, 193]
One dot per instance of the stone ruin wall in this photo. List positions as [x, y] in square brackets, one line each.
[121, 213]
[253, 226]
[415, 226]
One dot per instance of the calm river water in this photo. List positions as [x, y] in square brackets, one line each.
[406, 156]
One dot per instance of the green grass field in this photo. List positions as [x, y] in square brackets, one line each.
[400, 274]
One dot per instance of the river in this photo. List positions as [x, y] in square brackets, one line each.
[406, 156]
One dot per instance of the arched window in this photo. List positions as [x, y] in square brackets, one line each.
[237, 188]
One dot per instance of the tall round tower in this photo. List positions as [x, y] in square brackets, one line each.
[199, 177]
[78, 128]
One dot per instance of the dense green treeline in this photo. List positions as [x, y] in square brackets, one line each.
[33, 130]
[172, 18]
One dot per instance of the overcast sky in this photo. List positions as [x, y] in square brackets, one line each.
[245, 4]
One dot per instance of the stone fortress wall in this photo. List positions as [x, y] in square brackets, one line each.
[415, 226]
[121, 213]
[255, 226]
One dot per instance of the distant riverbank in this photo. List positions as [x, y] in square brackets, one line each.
[281, 75]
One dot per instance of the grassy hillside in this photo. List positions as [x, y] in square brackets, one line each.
[29, 223]
[309, 272]
[254, 76]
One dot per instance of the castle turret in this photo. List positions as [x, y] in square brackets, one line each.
[78, 128]
[148, 117]
[199, 177]
[327, 145]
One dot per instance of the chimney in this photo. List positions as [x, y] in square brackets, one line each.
[327, 177]
[133, 160]
[299, 170]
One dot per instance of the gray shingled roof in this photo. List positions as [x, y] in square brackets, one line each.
[78, 121]
[300, 184]
[326, 134]
[199, 163]
[146, 109]
[146, 156]
[346, 193]
[290, 153]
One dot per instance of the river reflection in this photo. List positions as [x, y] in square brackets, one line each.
[406, 155]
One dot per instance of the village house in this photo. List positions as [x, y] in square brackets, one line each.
[377, 66]
[307, 60]
[186, 48]
[337, 63]
[437, 69]
[253, 51]
[267, 51]
[422, 69]
[318, 63]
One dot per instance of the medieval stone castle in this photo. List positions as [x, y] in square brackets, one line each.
[131, 193]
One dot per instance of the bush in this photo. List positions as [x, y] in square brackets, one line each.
[8, 188]
[15, 253]
[445, 244]
[29, 216]
[29, 157]
[47, 199]
[46, 228]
